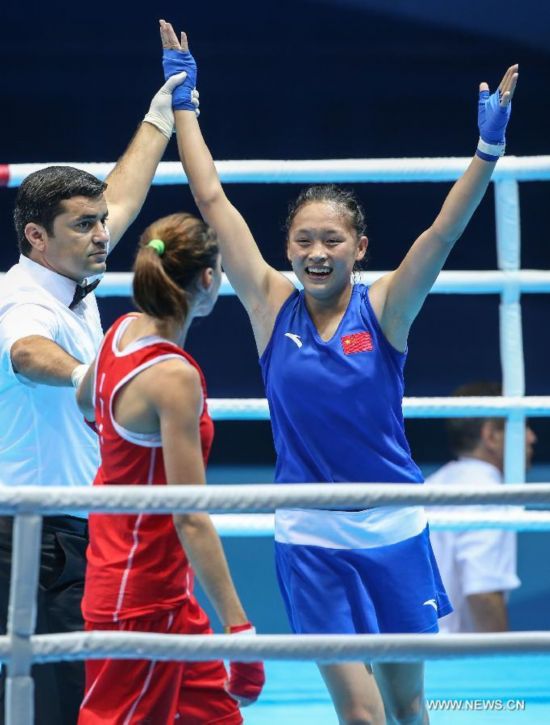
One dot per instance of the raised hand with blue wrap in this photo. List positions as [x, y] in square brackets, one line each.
[493, 115]
[176, 58]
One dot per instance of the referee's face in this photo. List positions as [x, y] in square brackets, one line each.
[79, 241]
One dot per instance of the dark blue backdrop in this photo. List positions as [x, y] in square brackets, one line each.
[299, 79]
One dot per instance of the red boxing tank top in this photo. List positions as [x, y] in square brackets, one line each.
[136, 564]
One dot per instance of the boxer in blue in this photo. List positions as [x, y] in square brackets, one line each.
[332, 357]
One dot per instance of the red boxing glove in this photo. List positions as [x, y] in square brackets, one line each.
[246, 679]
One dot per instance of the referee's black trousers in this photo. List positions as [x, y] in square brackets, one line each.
[58, 688]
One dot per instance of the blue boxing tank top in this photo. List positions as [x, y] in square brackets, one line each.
[336, 405]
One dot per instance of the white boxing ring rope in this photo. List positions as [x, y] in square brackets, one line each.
[235, 525]
[271, 171]
[257, 498]
[321, 648]
[21, 647]
[438, 407]
[530, 281]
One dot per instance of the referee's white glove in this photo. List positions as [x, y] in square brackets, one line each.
[77, 375]
[160, 112]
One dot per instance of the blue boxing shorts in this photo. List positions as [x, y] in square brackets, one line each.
[358, 572]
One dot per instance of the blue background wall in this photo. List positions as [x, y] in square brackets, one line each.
[301, 79]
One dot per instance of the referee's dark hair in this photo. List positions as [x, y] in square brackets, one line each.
[464, 433]
[40, 195]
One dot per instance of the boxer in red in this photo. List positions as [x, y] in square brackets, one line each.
[147, 397]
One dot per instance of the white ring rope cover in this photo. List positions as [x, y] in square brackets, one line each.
[46, 500]
[325, 648]
[518, 168]
[436, 407]
[530, 281]
[245, 525]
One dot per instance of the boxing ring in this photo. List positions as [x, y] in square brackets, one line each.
[20, 648]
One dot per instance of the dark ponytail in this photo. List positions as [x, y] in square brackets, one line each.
[155, 293]
[162, 281]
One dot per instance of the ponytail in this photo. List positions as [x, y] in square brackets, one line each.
[172, 252]
[155, 293]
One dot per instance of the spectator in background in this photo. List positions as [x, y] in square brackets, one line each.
[478, 566]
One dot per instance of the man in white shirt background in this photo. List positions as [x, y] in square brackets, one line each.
[478, 566]
[67, 222]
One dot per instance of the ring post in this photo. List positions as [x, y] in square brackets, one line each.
[26, 540]
[511, 336]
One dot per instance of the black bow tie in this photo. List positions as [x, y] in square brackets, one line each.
[81, 290]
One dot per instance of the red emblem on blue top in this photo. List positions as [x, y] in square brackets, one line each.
[356, 342]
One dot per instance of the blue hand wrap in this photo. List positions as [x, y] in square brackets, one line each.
[492, 118]
[176, 61]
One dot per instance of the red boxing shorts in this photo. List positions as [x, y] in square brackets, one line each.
[132, 692]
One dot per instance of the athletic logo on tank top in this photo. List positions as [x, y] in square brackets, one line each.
[430, 603]
[356, 342]
[294, 338]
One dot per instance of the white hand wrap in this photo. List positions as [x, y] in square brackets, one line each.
[491, 149]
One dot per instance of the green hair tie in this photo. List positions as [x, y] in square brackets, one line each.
[158, 245]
